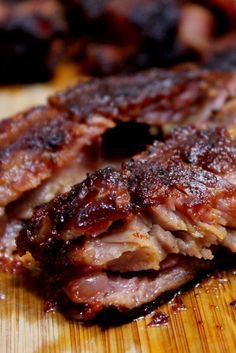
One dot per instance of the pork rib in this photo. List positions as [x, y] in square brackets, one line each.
[43, 150]
[42, 153]
[177, 198]
[38, 142]
[154, 97]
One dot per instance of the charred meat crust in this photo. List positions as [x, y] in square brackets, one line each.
[36, 143]
[45, 141]
[97, 245]
[213, 149]
[177, 197]
[163, 174]
[102, 198]
[154, 97]
[190, 161]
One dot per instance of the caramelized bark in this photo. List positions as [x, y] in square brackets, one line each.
[45, 141]
[155, 97]
[185, 170]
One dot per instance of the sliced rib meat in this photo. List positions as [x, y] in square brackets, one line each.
[35, 144]
[155, 97]
[42, 154]
[103, 290]
[41, 147]
[178, 197]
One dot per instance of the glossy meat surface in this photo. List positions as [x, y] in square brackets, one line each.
[155, 97]
[188, 173]
[178, 197]
[36, 144]
[40, 149]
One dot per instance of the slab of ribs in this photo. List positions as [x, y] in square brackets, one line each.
[122, 188]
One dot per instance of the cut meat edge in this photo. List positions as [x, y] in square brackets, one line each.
[91, 294]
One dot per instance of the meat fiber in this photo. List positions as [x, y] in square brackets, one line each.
[177, 198]
[38, 142]
[47, 149]
[43, 152]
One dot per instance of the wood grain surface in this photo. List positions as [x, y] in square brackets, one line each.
[205, 323]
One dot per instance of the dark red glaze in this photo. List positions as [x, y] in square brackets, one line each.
[153, 97]
[45, 139]
[188, 164]
[37, 143]
[170, 172]
[158, 319]
[173, 174]
[90, 207]
[177, 303]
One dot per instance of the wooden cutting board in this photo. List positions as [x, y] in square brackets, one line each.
[205, 322]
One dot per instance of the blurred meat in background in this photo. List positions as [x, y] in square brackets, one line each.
[128, 35]
[113, 36]
[30, 39]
